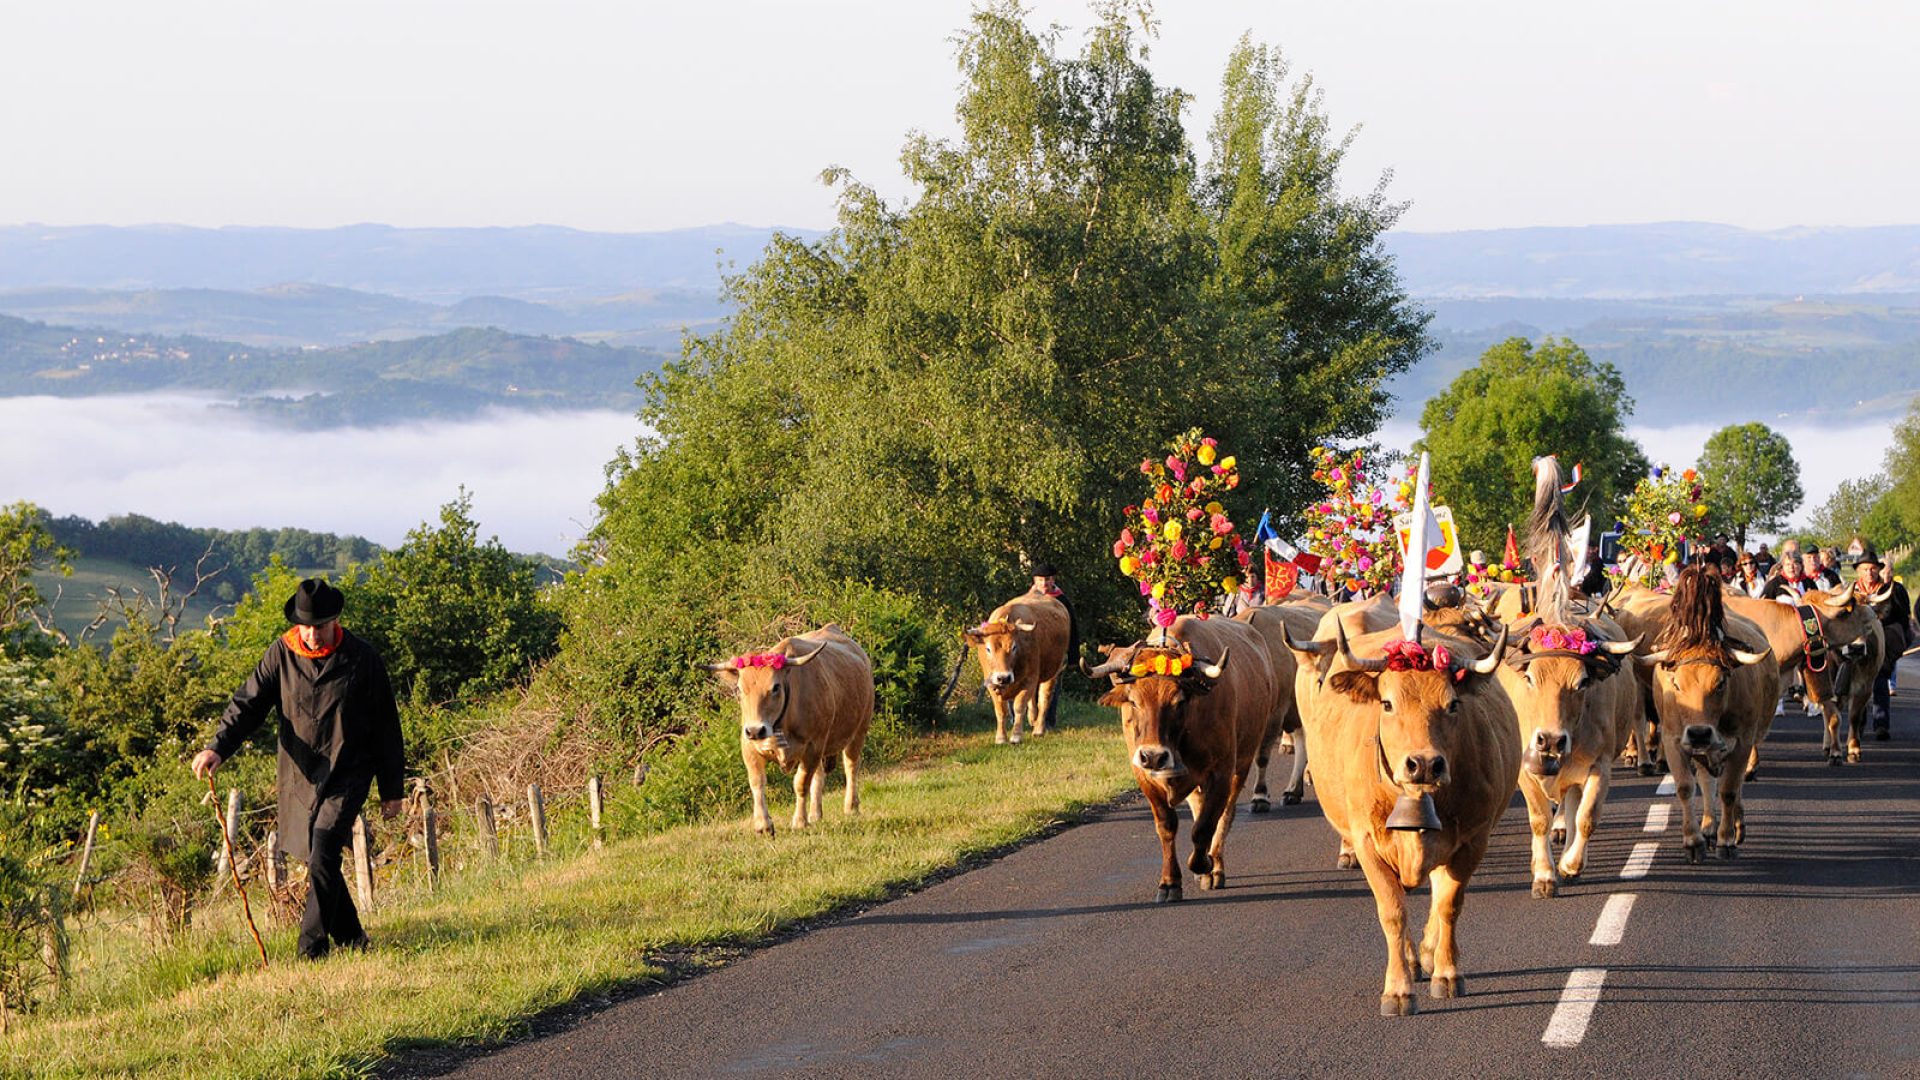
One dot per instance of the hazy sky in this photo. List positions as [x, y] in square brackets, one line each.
[640, 114]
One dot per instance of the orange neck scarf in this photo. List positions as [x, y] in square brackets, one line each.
[292, 639]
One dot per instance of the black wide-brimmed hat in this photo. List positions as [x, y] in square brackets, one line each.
[314, 602]
[1868, 555]
[1045, 569]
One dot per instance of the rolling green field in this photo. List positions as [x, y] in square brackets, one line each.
[500, 942]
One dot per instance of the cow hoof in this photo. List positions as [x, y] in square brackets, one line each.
[1559, 836]
[1444, 987]
[1261, 806]
[1001, 740]
[1200, 863]
[1545, 889]
[1289, 798]
[1853, 755]
[1752, 774]
[1694, 850]
[1014, 739]
[1834, 759]
[1347, 861]
[1570, 875]
[1398, 1005]
[1217, 879]
[1648, 768]
[1729, 852]
[1168, 894]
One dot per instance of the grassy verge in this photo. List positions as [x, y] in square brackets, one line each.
[475, 960]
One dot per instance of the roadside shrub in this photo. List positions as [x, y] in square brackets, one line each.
[698, 777]
[33, 938]
[168, 857]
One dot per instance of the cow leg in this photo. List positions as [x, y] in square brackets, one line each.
[850, 760]
[757, 782]
[801, 774]
[1047, 690]
[1690, 839]
[1439, 952]
[817, 788]
[1001, 707]
[1390, 903]
[1585, 803]
[1856, 724]
[1261, 804]
[1539, 818]
[1165, 823]
[1559, 835]
[1215, 876]
[1020, 709]
[1709, 819]
[1347, 859]
[1730, 813]
[1297, 785]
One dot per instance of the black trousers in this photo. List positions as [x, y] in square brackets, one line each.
[330, 912]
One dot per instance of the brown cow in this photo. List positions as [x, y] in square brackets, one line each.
[802, 702]
[1714, 688]
[1193, 735]
[1396, 742]
[1022, 649]
[1275, 622]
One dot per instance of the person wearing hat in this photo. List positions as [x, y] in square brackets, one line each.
[1894, 622]
[339, 733]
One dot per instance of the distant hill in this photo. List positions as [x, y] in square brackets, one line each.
[297, 315]
[455, 374]
[536, 262]
[1670, 259]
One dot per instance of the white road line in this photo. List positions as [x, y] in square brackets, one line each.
[1613, 920]
[1569, 1023]
[1666, 786]
[1640, 861]
[1657, 816]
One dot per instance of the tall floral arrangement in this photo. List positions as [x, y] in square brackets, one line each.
[1179, 544]
[1351, 525]
[1667, 509]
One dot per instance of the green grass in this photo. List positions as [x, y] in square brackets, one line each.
[499, 943]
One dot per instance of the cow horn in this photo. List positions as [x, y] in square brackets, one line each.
[796, 659]
[1880, 597]
[1622, 648]
[1745, 657]
[1354, 662]
[1316, 647]
[1118, 659]
[1025, 627]
[713, 667]
[1658, 656]
[1212, 668]
[1487, 664]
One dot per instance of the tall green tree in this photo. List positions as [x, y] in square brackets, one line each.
[27, 547]
[1519, 402]
[1899, 510]
[1753, 481]
[1858, 507]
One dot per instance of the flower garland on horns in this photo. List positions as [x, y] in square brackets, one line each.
[1351, 525]
[1179, 544]
[1664, 513]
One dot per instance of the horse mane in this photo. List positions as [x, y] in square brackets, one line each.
[1548, 546]
[1699, 615]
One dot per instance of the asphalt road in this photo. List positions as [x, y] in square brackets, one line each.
[1799, 959]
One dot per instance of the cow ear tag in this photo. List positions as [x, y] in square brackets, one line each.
[1414, 814]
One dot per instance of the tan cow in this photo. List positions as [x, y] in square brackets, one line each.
[1395, 743]
[1714, 688]
[808, 698]
[1022, 649]
[1574, 705]
[1859, 662]
[1842, 617]
[1193, 735]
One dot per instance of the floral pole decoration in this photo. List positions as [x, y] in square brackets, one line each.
[1178, 543]
[1665, 511]
[1351, 526]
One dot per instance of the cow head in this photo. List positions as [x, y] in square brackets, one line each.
[1845, 613]
[1416, 693]
[1548, 679]
[1690, 692]
[765, 685]
[1153, 689]
[998, 644]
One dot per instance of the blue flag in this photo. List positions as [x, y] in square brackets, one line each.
[1265, 531]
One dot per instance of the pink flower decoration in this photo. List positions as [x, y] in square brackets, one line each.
[1219, 470]
[1673, 518]
[1179, 471]
[1221, 526]
[1208, 442]
[1194, 513]
[773, 660]
[1179, 549]
[1126, 537]
[1165, 617]
[1366, 563]
[1119, 548]
[1152, 516]
[1146, 589]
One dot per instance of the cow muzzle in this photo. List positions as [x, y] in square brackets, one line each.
[1704, 746]
[1428, 770]
[1543, 754]
[1157, 761]
[999, 680]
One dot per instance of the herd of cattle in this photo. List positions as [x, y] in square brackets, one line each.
[1416, 745]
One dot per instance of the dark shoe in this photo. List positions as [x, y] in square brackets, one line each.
[1881, 735]
[314, 954]
[359, 944]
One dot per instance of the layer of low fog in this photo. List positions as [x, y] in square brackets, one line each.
[533, 476]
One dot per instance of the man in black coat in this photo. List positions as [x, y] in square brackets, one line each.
[339, 732]
[1894, 623]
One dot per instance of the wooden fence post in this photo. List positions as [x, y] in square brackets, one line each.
[594, 807]
[86, 852]
[276, 861]
[483, 809]
[537, 811]
[232, 827]
[362, 865]
[429, 823]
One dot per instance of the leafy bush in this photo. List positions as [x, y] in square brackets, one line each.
[33, 940]
[167, 855]
[700, 776]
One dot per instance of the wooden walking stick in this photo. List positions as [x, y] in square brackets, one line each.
[233, 865]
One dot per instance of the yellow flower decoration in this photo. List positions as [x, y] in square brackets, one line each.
[1172, 531]
[1206, 457]
[1227, 462]
[1128, 564]
[1229, 583]
[1159, 590]
[1213, 508]
[1139, 668]
[1213, 544]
